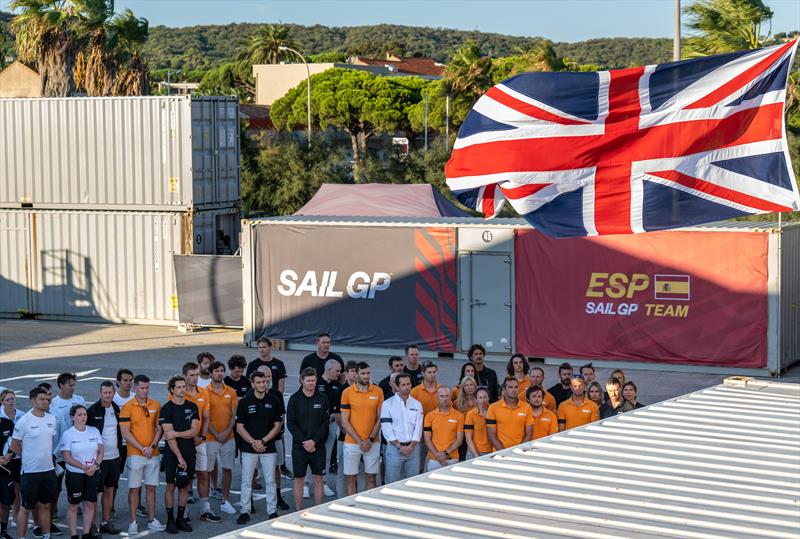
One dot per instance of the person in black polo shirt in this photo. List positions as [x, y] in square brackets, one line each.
[563, 389]
[307, 418]
[280, 453]
[265, 358]
[329, 386]
[395, 365]
[259, 416]
[412, 366]
[317, 359]
[104, 416]
[180, 421]
[236, 378]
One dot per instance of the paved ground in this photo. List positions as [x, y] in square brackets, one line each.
[33, 351]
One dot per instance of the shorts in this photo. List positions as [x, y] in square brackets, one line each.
[352, 456]
[225, 451]
[7, 493]
[110, 470]
[16, 469]
[435, 465]
[142, 470]
[38, 487]
[180, 477]
[81, 487]
[201, 461]
[302, 460]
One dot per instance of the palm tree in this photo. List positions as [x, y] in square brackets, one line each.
[264, 46]
[45, 34]
[468, 72]
[96, 66]
[540, 55]
[130, 34]
[722, 26]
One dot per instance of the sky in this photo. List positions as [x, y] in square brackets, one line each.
[558, 20]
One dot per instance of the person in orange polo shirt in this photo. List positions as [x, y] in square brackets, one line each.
[425, 393]
[545, 421]
[361, 420]
[475, 426]
[576, 410]
[138, 423]
[509, 421]
[536, 374]
[222, 403]
[443, 430]
[518, 368]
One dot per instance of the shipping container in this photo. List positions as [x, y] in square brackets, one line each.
[119, 153]
[721, 298]
[101, 266]
[720, 462]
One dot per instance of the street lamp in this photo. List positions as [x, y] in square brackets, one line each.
[308, 81]
[169, 72]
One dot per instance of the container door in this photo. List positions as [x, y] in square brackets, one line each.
[16, 283]
[203, 161]
[490, 301]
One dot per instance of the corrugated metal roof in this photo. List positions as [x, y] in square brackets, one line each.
[327, 220]
[721, 462]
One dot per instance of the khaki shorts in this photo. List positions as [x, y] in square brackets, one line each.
[142, 470]
[201, 463]
[225, 452]
[352, 456]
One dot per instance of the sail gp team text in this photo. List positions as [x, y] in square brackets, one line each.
[615, 286]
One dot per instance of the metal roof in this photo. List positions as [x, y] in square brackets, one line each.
[327, 220]
[721, 462]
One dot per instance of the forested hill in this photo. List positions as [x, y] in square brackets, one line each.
[202, 47]
[206, 46]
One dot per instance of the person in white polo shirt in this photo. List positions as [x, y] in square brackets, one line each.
[35, 436]
[401, 425]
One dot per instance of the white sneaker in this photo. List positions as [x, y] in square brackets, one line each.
[133, 528]
[227, 508]
[327, 491]
[155, 526]
[305, 492]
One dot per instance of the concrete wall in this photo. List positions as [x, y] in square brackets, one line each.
[273, 81]
[18, 80]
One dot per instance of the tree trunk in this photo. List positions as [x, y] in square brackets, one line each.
[356, 157]
[56, 63]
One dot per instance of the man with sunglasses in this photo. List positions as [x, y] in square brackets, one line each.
[138, 422]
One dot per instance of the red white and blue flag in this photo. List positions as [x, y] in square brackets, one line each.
[632, 150]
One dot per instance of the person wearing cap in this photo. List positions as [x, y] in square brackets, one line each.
[577, 410]
[509, 422]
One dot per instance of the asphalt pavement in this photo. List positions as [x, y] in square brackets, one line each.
[34, 351]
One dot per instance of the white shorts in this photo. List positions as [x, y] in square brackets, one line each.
[352, 456]
[142, 470]
[201, 464]
[224, 451]
[434, 464]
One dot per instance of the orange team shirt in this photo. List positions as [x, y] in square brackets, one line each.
[200, 399]
[509, 422]
[476, 423]
[444, 429]
[221, 408]
[549, 401]
[545, 425]
[143, 420]
[572, 416]
[364, 408]
[427, 398]
[454, 394]
[524, 384]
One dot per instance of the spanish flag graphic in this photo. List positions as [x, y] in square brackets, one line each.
[674, 287]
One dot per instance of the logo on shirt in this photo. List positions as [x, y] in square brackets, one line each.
[586, 411]
[317, 406]
[522, 414]
[545, 419]
[373, 398]
[452, 421]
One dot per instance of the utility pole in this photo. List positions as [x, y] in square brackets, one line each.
[426, 121]
[676, 40]
[447, 121]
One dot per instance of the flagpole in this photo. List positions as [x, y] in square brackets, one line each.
[676, 40]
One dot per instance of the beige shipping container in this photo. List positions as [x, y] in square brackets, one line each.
[119, 153]
[100, 265]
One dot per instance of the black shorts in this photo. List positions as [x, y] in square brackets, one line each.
[7, 493]
[38, 487]
[16, 469]
[81, 487]
[173, 474]
[110, 470]
[302, 460]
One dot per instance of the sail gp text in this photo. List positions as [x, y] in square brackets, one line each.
[604, 287]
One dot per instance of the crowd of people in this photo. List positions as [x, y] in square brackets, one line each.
[346, 432]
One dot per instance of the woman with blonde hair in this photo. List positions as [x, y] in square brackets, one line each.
[594, 392]
[467, 369]
[467, 396]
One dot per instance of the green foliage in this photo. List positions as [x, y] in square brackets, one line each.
[721, 26]
[235, 78]
[618, 52]
[328, 57]
[267, 45]
[279, 177]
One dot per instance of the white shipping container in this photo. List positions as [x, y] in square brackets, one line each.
[119, 153]
[99, 266]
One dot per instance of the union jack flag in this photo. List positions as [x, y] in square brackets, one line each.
[632, 150]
